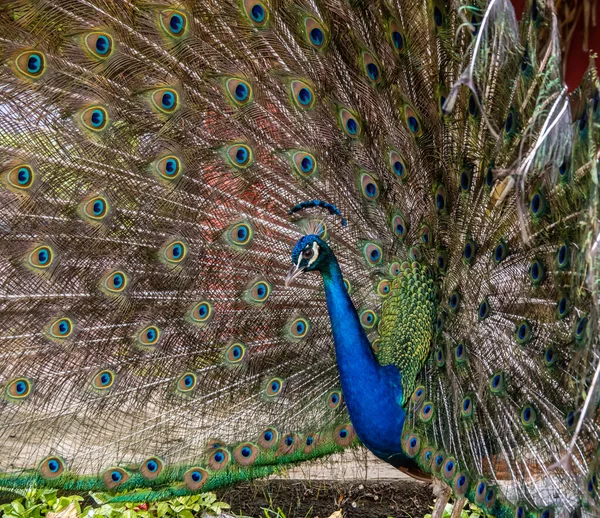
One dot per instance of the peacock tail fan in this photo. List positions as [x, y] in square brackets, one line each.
[150, 154]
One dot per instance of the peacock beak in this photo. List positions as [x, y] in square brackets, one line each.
[292, 274]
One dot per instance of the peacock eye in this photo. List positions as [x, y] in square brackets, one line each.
[308, 253]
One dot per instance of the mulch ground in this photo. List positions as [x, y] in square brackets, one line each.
[312, 499]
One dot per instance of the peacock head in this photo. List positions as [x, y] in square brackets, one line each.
[311, 253]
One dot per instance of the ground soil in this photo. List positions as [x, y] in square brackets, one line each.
[312, 499]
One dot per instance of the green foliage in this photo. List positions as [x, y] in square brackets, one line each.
[38, 503]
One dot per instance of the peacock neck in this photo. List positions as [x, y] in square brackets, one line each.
[373, 393]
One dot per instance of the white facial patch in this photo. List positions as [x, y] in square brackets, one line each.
[315, 248]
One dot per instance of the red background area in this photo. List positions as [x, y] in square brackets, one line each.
[577, 59]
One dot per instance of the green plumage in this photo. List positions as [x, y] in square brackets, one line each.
[149, 155]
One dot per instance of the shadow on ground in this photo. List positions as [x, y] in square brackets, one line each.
[312, 499]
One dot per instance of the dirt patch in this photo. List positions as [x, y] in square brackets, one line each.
[312, 499]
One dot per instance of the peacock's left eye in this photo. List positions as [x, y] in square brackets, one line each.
[308, 253]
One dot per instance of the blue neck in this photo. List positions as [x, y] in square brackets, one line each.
[372, 393]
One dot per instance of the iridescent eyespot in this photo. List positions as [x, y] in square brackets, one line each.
[368, 318]
[497, 383]
[20, 177]
[537, 272]
[440, 357]
[461, 484]
[334, 399]
[449, 468]
[98, 44]
[581, 328]
[537, 204]
[173, 23]
[469, 250]
[168, 167]
[441, 261]
[528, 415]
[438, 15]
[274, 387]
[240, 234]
[195, 478]
[562, 256]
[399, 226]
[299, 328]
[349, 123]
[384, 287]
[412, 445]
[235, 353]
[218, 459]
[426, 237]
[151, 468]
[52, 467]
[304, 163]
[256, 12]
[174, 252]
[41, 257]
[18, 388]
[165, 100]
[437, 461]
[148, 336]
[95, 208]
[413, 123]
[302, 94]
[372, 254]
[375, 345]
[201, 312]
[344, 435]
[415, 253]
[240, 156]
[103, 380]
[268, 438]
[315, 33]
[523, 332]
[480, 492]
[396, 37]
[397, 165]
[114, 477]
[395, 269]
[489, 177]
[465, 180]
[348, 285]
[239, 91]
[466, 408]
[61, 328]
[454, 301]
[510, 124]
[245, 454]
[500, 252]
[550, 357]
[259, 292]
[460, 353]
[30, 64]
[427, 412]
[187, 382]
[371, 67]
[94, 118]
[418, 395]
[570, 419]
[115, 282]
[439, 197]
[369, 186]
[484, 310]
[564, 168]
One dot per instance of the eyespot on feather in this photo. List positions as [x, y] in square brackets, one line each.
[311, 441]
[461, 484]
[98, 44]
[18, 388]
[344, 435]
[256, 12]
[239, 156]
[305, 164]
[235, 353]
[259, 292]
[52, 467]
[274, 387]
[302, 94]
[299, 328]
[148, 336]
[412, 121]
[315, 33]
[384, 288]
[397, 165]
[195, 478]
[368, 319]
[165, 100]
[151, 468]
[238, 91]
[103, 380]
[41, 257]
[240, 234]
[334, 399]
[95, 209]
[412, 445]
[373, 254]
[20, 177]
[61, 328]
[245, 454]
[350, 123]
[174, 23]
[395, 269]
[94, 118]
[30, 64]
[268, 438]
[218, 459]
[168, 167]
[115, 282]
[201, 312]
[371, 67]
[396, 37]
[174, 252]
[114, 477]
[369, 186]
[187, 382]
[288, 444]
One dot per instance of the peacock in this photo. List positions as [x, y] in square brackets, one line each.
[237, 235]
